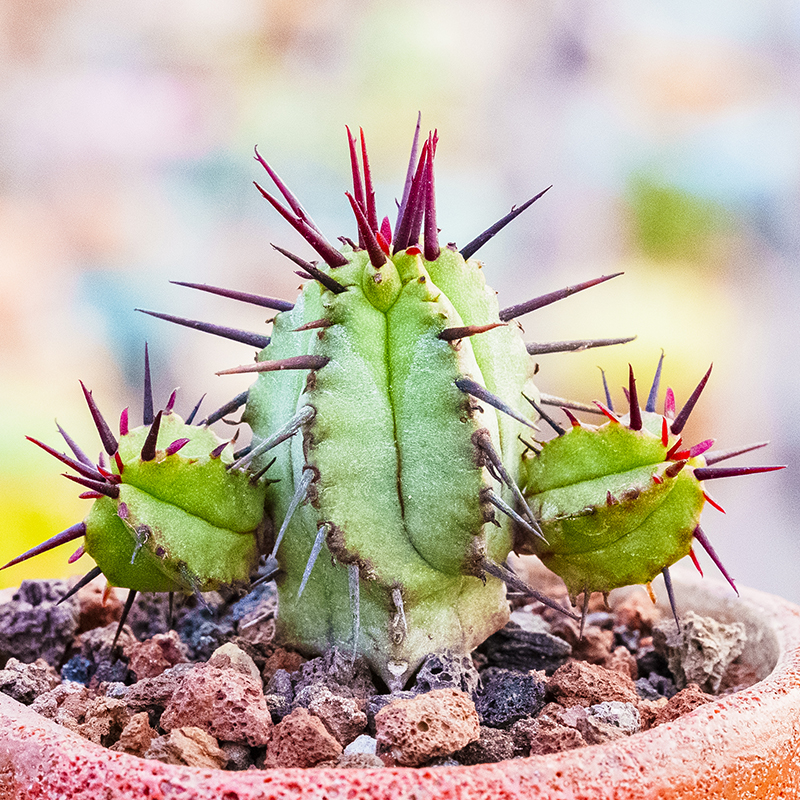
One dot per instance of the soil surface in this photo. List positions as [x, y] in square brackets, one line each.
[214, 689]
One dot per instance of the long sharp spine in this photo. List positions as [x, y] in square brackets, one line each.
[312, 559]
[293, 362]
[87, 578]
[68, 535]
[574, 346]
[299, 495]
[150, 443]
[106, 436]
[245, 297]
[468, 386]
[652, 398]
[256, 340]
[683, 415]
[326, 280]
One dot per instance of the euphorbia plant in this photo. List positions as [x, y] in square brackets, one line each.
[395, 450]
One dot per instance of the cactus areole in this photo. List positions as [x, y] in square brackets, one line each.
[394, 448]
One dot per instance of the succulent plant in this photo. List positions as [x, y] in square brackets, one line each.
[394, 416]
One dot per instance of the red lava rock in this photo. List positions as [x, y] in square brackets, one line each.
[97, 608]
[154, 694]
[105, 720]
[223, 702]
[189, 746]
[623, 661]
[358, 761]
[25, 682]
[300, 740]
[229, 656]
[579, 683]
[637, 612]
[648, 711]
[343, 717]
[136, 736]
[153, 656]
[595, 646]
[533, 737]
[435, 724]
[281, 659]
[66, 704]
[683, 702]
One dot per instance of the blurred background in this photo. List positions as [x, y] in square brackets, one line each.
[671, 133]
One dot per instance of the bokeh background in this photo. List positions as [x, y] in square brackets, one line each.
[670, 130]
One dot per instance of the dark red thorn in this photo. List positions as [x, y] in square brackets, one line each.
[451, 334]
[151, 442]
[431, 237]
[606, 392]
[228, 408]
[664, 432]
[673, 451]
[326, 280]
[546, 299]
[412, 163]
[669, 404]
[713, 502]
[479, 241]
[317, 323]
[711, 473]
[413, 210]
[118, 461]
[418, 216]
[69, 535]
[724, 455]
[700, 448]
[365, 236]
[635, 418]
[329, 254]
[658, 480]
[193, 414]
[557, 429]
[607, 411]
[174, 447]
[293, 362]
[288, 195]
[76, 451]
[76, 555]
[369, 190]
[123, 422]
[574, 346]
[683, 414]
[147, 405]
[106, 437]
[610, 499]
[574, 421]
[673, 469]
[245, 297]
[471, 387]
[386, 233]
[108, 489]
[652, 398]
[217, 451]
[78, 466]
[171, 402]
[87, 578]
[706, 545]
[90, 496]
[358, 185]
[236, 335]
[695, 561]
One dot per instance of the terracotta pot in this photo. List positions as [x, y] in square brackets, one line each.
[742, 746]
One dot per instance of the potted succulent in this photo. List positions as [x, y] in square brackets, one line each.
[394, 466]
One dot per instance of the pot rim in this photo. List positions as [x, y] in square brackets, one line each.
[730, 747]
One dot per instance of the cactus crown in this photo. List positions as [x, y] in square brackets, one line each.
[394, 451]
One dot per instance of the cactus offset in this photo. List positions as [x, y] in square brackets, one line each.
[390, 412]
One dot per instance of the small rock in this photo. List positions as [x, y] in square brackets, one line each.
[338, 672]
[514, 648]
[300, 740]
[229, 656]
[492, 745]
[136, 736]
[528, 621]
[362, 744]
[98, 607]
[358, 761]
[33, 626]
[637, 612]
[104, 721]
[342, 716]
[155, 655]
[579, 683]
[624, 716]
[227, 704]
[427, 726]
[683, 702]
[153, 694]
[623, 661]
[78, 669]
[95, 646]
[66, 704]
[239, 756]
[280, 659]
[701, 650]
[446, 670]
[25, 682]
[189, 746]
[255, 613]
[379, 701]
[201, 631]
[507, 696]
[543, 735]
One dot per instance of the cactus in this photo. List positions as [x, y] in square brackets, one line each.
[394, 414]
